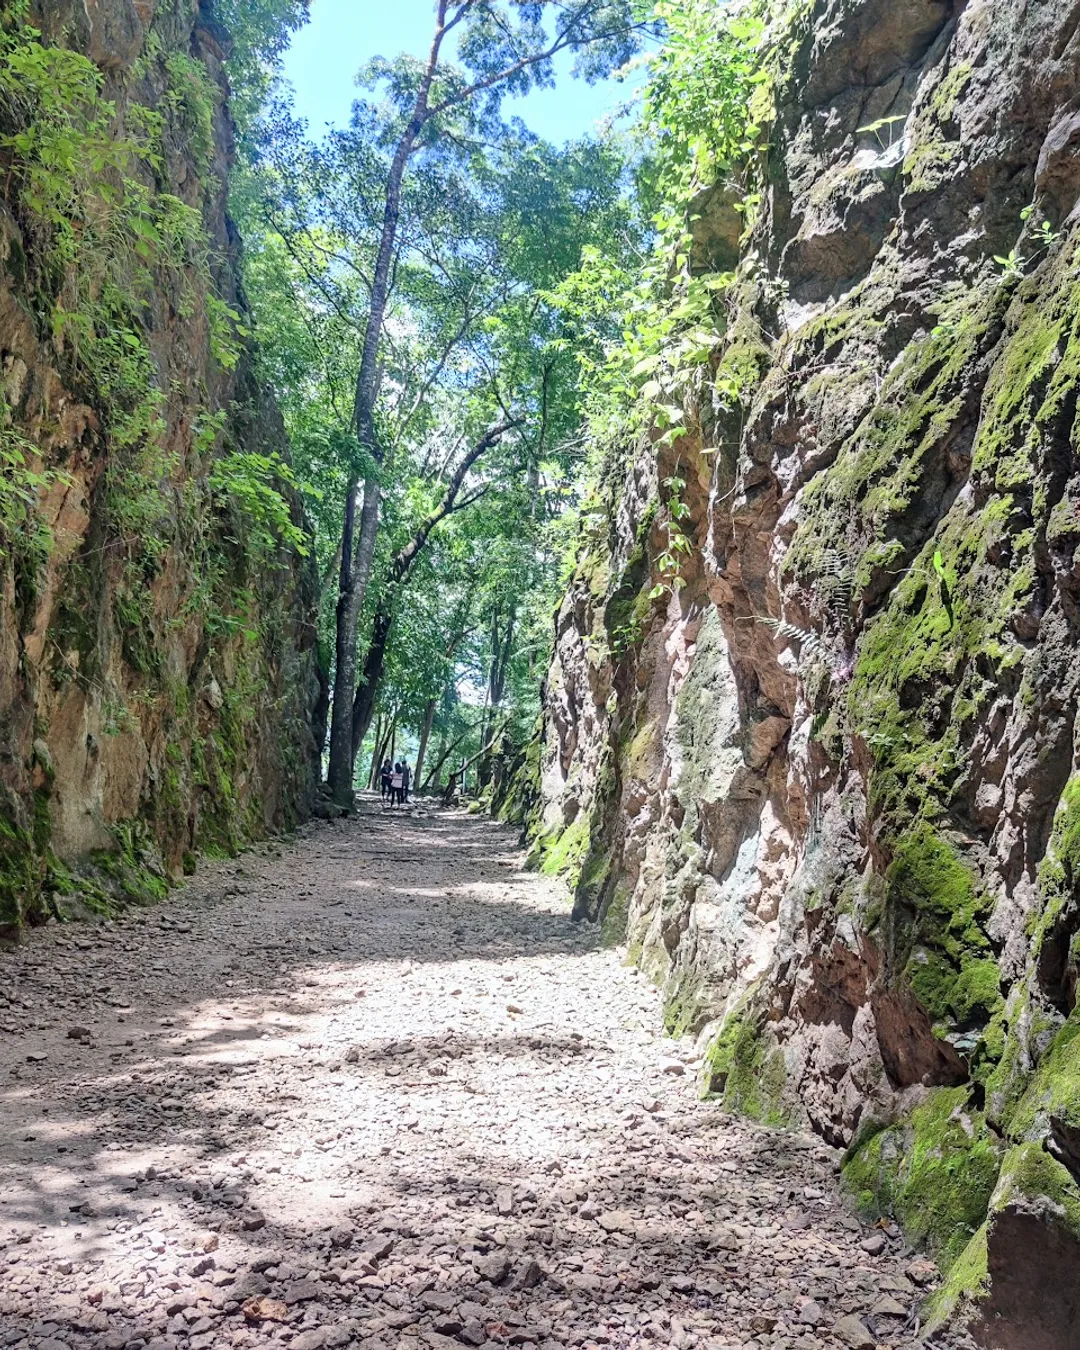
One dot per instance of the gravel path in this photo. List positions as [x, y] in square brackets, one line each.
[370, 1087]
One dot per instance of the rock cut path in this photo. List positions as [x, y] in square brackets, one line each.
[371, 1087]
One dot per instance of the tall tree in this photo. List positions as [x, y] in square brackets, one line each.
[503, 48]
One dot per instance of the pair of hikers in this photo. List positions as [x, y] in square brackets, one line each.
[396, 779]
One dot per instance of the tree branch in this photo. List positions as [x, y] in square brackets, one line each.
[405, 558]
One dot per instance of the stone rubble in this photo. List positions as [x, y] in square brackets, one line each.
[293, 1107]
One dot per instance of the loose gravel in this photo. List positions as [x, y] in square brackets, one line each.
[371, 1087]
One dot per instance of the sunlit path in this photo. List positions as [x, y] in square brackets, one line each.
[373, 1087]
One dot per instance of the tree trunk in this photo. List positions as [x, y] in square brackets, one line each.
[355, 570]
[339, 773]
[445, 754]
[375, 760]
[440, 759]
[429, 718]
[502, 644]
[485, 749]
[364, 702]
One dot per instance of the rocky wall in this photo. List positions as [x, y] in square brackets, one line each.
[828, 791]
[157, 644]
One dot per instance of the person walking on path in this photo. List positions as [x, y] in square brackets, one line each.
[406, 780]
[385, 773]
[396, 794]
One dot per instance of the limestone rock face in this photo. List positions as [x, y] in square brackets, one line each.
[157, 673]
[829, 789]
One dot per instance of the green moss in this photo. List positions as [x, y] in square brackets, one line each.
[522, 793]
[931, 660]
[636, 754]
[930, 162]
[966, 1284]
[1059, 872]
[35, 883]
[1024, 1026]
[562, 852]
[613, 926]
[593, 877]
[682, 1006]
[720, 1052]
[1029, 1173]
[941, 645]
[745, 1070]
[132, 868]
[934, 1172]
[928, 880]
[1029, 394]
[881, 469]
[21, 875]
[704, 704]
[1055, 1088]
[933, 927]
[630, 605]
[949, 91]
[827, 332]
[956, 998]
[934, 152]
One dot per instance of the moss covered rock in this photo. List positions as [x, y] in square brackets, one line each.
[935, 1171]
[745, 1069]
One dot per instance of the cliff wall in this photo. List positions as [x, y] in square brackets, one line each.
[828, 790]
[157, 662]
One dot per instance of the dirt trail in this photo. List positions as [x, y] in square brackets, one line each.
[372, 1087]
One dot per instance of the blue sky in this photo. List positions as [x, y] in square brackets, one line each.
[342, 34]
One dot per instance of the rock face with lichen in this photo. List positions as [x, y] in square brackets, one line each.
[828, 791]
[157, 662]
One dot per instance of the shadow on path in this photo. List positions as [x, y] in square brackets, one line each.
[375, 1078]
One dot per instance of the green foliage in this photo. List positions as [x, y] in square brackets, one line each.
[646, 329]
[470, 339]
[260, 31]
[22, 531]
[106, 257]
[249, 484]
[650, 329]
[669, 562]
[192, 96]
[23, 865]
[879, 125]
[103, 239]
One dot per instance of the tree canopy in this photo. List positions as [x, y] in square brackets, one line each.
[403, 273]
[441, 301]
